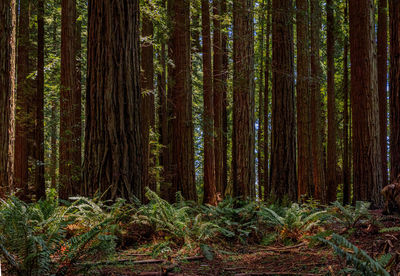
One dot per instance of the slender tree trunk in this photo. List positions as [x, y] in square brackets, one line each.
[266, 181]
[382, 83]
[304, 160]
[113, 146]
[208, 117]
[225, 64]
[261, 123]
[7, 85]
[40, 187]
[77, 126]
[219, 88]
[394, 90]
[364, 102]
[70, 153]
[23, 120]
[180, 100]
[316, 104]
[148, 105]
[346, 155]
[54, 123]
[283, 152]
[163, 122]
[243, 155]
[331, 164]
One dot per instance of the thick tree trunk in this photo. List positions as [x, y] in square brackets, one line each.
[364, 102]
[243, 155]
[316, 104]
[24, 122]
[331, 164]
[219, 88]
[40, 187]
[394, 97]
[394, 89]
[148, 105]
[283, 151]
[180, 100]
[208, 115]
[346, 151]
[113, 146]
[382, 83]
[304, 160]
[266, 180]
[7, 85]
[70, 153]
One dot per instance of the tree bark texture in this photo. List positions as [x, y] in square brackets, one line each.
[304, 157]
[243, 155]
[283, 150]
[364, 102]
[180, 103]
[113, 143]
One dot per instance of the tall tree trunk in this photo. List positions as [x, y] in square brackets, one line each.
[266, 181]
[382, 83]
[316, 104]
[219, 88]
[261, 123]
[225, 73]
[113, 144]
[208, 117]
[364, 102]
[40, 188]
[304, 160]
[7, 85]
[330, 52]
[23, 122]
[163, 122]
[283, 151]
[77, 126]
[70, 154]
[243, 156]
[54, 122]
[148, 105]
[346, 155]
[394, 97]
[180, 100]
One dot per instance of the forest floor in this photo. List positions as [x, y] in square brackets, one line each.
[304, 258]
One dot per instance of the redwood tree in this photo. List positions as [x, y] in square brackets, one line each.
[180, 100]
[394, 89]
[316, 103]
[218, 90]
[243, 155]
[113, 143]
[283, 150]
[40, 188]
[330, 52]
[305, 184]
[382, 58]
[70, 154]
[7, 71]
[208, 117]
[24, 123]
[364, 102]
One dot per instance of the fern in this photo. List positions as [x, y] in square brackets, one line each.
[349, 216]
[390, 229]
[361, 262]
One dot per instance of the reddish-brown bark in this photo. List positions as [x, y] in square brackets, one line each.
[367, 174]
[283, 150]
[243, 155]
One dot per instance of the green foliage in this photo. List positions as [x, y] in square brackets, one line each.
[294, 223]
[33, 235]
[390, 229]
[180, 220]
[359, 261]
[350, 216]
